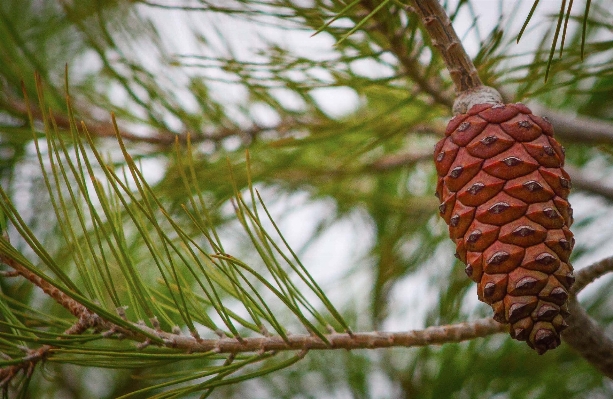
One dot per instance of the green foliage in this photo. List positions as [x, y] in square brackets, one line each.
[191, 235]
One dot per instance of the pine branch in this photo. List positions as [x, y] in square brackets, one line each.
[410, 64]
[584, 334]
[577, 128]
[366, 340]
[35, 356]
[589, 274]
[465, 76]
[468, 85]
[594, 345]
[586, 337]
[74, 307]
[583, 181]
[461, 68]
[162, 138]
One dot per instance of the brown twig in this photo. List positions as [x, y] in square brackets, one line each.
[161, 137]
[585, 182]
[394, 161]
[355, 340]
[584, 334]
[575, 336]
[34, 356]
[302, 342]
[577, 128]
[428, 336]
[461, 68]
[74, 307]
[590, 273]
[469, 88]
[408, 62]
[86, 320]
[586, 337]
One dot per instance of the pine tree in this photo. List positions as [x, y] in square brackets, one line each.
[149, 196]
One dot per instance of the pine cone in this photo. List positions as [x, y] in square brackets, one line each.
[503, 193]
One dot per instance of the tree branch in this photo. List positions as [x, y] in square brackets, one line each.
[461, 68]
[583, 181]
[393, 161]
[586, 337]
[583, 333]
[34, 356]
[590, 273]
[366, 340]
[577, 128]
[409, 63]
[162, 138]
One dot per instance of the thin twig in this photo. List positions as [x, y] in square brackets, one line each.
[409, 63]
[575, 336]
[162, 138]
[355, 340]
[584, 181]
[74, 307]
[35, 356]
[584, 334]
[27, 364]
[577, 128]
[394, 161]
[431, 335]
[588, 274]
[586, 337]
[461, 68]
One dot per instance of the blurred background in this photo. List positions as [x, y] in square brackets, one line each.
[340, 127]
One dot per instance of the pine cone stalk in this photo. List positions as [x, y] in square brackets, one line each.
[503, 193]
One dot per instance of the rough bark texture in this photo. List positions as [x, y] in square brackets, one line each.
[444, 38]
[503, 193]
[586, 337]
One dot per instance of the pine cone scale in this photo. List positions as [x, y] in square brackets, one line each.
[503, 193]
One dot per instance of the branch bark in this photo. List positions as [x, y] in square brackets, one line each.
[461, 68]
[161, 138]
[350, 340]
[586, 337]
[469, 88]
[298, 342]
[583, 334]
[590, 273]
[583, 181]
[577, 128]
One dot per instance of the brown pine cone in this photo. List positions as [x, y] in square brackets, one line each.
[503, 193]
